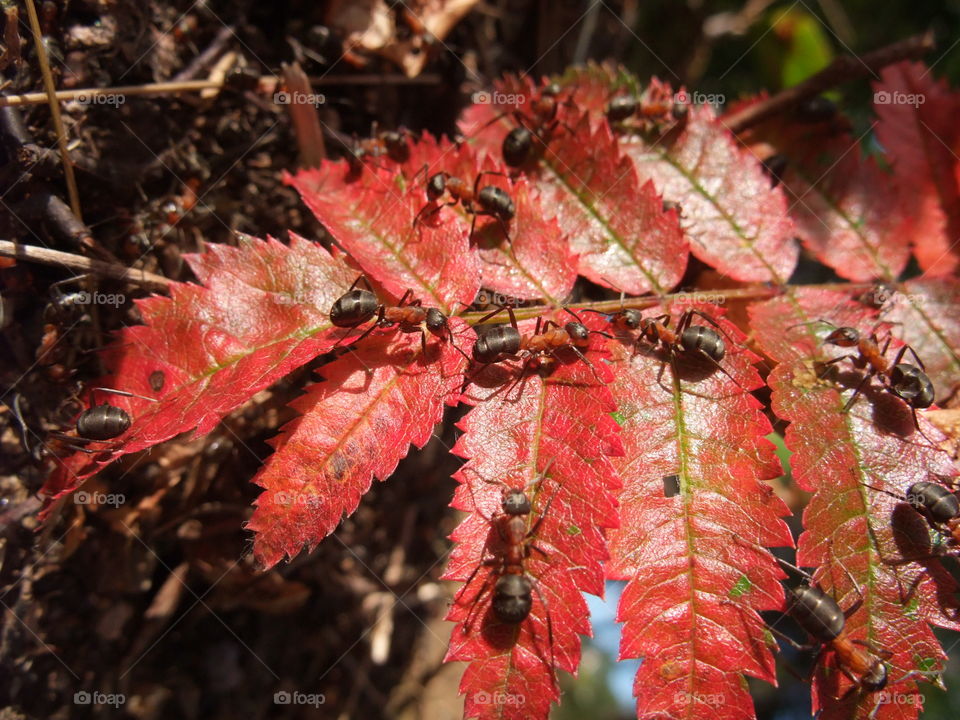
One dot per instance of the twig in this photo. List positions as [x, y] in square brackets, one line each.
[762, 292]
[206, 58]
[306, 124]
[54, 110]
[267, 85]
[45, 256]
[841, 70]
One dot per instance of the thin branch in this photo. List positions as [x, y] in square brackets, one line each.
[842, 70]
[54, 110]
[267, 86]
[45, 256]
[719, 296]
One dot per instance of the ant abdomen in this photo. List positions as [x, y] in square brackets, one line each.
[817, 613]
[911, 384]
[517, 146]
[698, 338]
[512, 598]
[497, 202]
[354, 308]
[502, 340]
[940, 503]
[103, 422]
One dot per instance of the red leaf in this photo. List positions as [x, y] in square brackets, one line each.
[613, 221]
[734, 220]
[511, 435]
[262, 312]
[927, 313]
[918, 129]
[356, 424]
[848, 211]
[678, 553]
[370, 214]
[847, 459]
[536, 261]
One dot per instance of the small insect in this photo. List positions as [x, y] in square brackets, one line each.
[537, 349]
[356, 307]
[822, 619]
[512, 584]
[655, 110]
[940, 507]
[99, 423]
[392, 143]
[907, 382]
[536, 126]
[489, 200]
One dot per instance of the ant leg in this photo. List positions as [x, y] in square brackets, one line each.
[122, 392]
[856, 392]
[471, 614]
[903, 351]
[546, 611]
[712, 321]
[365, 282]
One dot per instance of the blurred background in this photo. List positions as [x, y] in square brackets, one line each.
[157, 599]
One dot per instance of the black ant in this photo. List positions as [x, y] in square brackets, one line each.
[535, 126]
[392, 143]
[356, 307]
[513, 586]
[506, 341]
[100, 423]
[821, 618]
[939, 506]
[686, 340]
[655, 109]
[489, 200]
[908, 382]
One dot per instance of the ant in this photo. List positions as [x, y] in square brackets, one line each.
[539, 123]
[908, 382]
[686, 340]
[655, 109]
[356, 307]
[506, 341]
[513, 586]
[100, 423]
[489, 200]
[392, 143]
[820, 616]
[939, 506]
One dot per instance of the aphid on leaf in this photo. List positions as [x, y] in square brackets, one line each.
[490, 200]
[509, 583]
[356, 307]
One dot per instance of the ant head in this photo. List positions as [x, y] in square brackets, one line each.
[844, 337]
[876, 677]
[436, 321]
[436, 185]
[911, 384]
[629, 318]
[577, 331]
[515, 502]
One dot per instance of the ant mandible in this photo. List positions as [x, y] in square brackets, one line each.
[513, 585]
[356, 307]
[489, 200]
